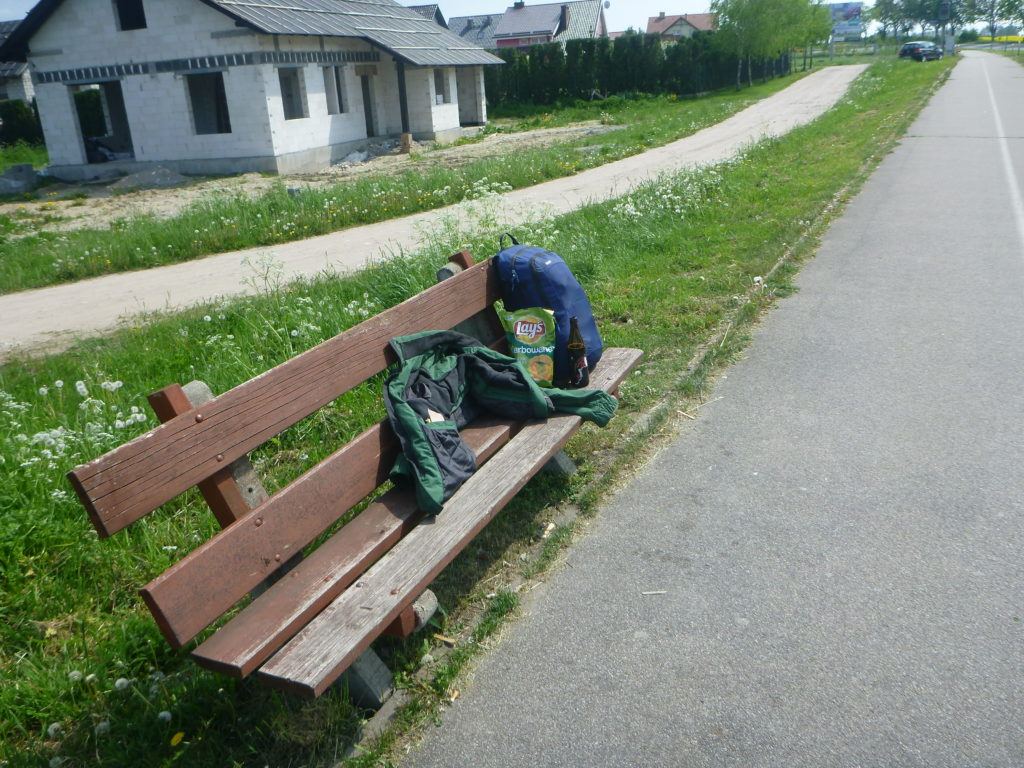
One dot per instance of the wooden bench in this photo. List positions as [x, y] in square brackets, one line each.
[300, 632]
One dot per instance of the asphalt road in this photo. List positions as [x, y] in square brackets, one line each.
[840, 536]
[49, 319]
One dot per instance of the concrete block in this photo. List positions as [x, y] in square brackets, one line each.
[560, 465]
[18, 179]
[369, 681]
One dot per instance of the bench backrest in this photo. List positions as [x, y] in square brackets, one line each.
[129, 482]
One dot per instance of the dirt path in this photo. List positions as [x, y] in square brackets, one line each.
[64, 208]
[48, 319]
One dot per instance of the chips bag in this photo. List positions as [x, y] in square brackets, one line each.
[531, 340]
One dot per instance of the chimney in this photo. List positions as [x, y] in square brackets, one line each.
[564, 21]
[519, 4]
[661, 15]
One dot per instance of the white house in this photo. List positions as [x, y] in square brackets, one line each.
[224, 86]
[15, 79]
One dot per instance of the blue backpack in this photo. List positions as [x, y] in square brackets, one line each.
[534, 277]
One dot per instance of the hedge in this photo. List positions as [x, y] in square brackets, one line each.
[633, 63]
[20, 123]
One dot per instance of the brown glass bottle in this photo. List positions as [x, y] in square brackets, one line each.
[579, 371]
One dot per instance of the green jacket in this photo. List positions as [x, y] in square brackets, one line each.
[443, 381]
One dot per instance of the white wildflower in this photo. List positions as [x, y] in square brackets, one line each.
[59, 494]
[81, 389]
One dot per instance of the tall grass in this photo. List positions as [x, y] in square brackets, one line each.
[16, 154]
[662, 267]
[227, 223]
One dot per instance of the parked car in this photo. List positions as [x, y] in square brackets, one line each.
[920, 50]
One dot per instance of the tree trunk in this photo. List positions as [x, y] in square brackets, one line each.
[739, 73]
[750, 74]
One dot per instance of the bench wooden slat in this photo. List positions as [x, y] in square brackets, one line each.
[195, 591]
[131, 481]
[318, 654]
[262, 627]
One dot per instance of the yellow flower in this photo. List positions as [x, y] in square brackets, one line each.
[176, 738]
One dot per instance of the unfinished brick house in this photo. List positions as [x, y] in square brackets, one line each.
[225, 86]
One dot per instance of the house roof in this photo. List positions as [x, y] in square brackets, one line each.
[584, 16]
[703, 22]
[478, 30]
[544, 19]
[10, 68]
[398, 30]
[432, 12]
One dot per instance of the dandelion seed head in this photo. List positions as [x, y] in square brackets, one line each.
[54, 730]
[164, 717]
[102, 728]
[74, 675]
[121, 683]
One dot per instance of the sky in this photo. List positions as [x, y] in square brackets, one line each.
[621, 14]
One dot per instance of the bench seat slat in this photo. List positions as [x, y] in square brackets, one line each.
[318, 654]
[267, 623]
[131, 481]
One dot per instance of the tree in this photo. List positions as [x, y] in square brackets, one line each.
[988, 11]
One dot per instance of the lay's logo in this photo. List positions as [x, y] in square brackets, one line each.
[529, 329]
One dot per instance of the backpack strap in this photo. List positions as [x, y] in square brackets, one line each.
[501, 240]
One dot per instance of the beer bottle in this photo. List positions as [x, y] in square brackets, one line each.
[579, 371]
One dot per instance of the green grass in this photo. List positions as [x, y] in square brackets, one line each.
[663, 267]
[15, 154]
[229, 223]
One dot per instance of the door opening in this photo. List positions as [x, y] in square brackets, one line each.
[103, 122]
[368, 105]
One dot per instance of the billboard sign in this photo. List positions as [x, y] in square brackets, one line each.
[846, 21]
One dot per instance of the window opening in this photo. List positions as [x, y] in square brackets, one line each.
[293, 95]
[334, 87]
[209, 103]
[442, 95]
[130, 15]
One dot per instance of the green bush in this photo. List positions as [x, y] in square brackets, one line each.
[20, 123]
[968, 36]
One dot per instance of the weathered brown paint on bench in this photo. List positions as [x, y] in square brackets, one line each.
[220, 490]
[129, 482]
[198, 445]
